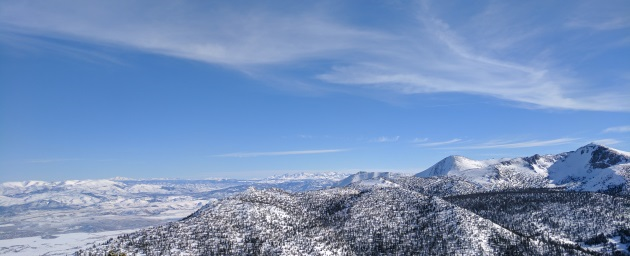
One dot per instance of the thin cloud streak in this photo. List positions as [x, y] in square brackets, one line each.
[222, 34]
[439, 143]
[385, 139]
[457, 66]
[607, 142]
[51, 160]
[419, 140]
[523, 144]
[282, 153]
[431, 57]
[618, 129]
[601, 16]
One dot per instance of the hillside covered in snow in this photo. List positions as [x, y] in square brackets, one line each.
[573, 203]
[389, 221]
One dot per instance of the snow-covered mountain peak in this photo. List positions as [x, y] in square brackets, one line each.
[452, 164]
[591, 167]
[596, 150]
[365, 177]
[592, 156]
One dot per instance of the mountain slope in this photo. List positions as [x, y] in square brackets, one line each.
[440, 186]
[556, 215]
[338, 221]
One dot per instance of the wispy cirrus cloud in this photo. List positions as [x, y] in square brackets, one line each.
[453, 64]
[438, 143]
[607, 142]
[220, 33]
[385, 139]
[608, 24]
[431, 55]
[51, 160]
[520, 144]
[625, 128]
[611, 15]
[419, 140]
[282, 153]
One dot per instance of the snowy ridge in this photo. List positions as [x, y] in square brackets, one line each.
[379, 220]
[589, 168]
[458, 206]
[366, 178]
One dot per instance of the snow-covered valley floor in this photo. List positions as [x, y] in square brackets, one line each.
[55, 218]
[61, 244]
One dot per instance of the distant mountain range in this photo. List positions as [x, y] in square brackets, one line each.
[39, 208]
[593, 168]
[589, 168]
[573, 203]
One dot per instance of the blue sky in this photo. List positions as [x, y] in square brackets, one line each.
[196, 89]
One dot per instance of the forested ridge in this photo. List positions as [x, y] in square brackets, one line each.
[360, 220]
